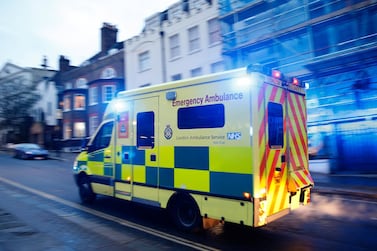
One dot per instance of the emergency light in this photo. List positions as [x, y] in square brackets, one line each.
[295, 81]
[276, 74]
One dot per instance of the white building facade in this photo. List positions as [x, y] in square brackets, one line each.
[17, 84]
[181, 42]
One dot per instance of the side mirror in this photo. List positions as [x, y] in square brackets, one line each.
[84, 145]
[84, 149]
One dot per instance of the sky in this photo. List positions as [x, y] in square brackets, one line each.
[32, 29]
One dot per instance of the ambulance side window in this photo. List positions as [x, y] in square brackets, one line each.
[206, 116]
[275, 125]
[103, 137]
[145, 130]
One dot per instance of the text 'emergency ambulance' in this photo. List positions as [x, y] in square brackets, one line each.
[208, 99]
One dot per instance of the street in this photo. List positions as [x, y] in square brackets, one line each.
[41, 197]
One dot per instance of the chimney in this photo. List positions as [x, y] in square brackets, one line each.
[108, 36]
[64, 64]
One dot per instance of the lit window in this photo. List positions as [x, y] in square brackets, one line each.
[67, 103]
[79, 129]
[144, 61]
[214, 31]
[93, 95]
[174, 46]
[108, 93]
[67, 130]
[194, 39]
[79, 101]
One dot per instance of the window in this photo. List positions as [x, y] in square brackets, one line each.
[346, 33]
[209, 116]
[217, 67]
[275, 125]
[321, 39]
[144, 61]
[93, 124]
[81, 83]
[108, 72]
[67, 103]
[174, 46]
[68, 85]
[79, 129]
[194, 39]
[93, 95]
[145, 85]
[214, 35]
[108, 93]
[103, 137]
[79, 102]
[49, 108]
[145, 130]
[67, 130]
[176, 77]
[322, 7]
[196, 72]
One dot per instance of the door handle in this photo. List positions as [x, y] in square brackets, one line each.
[107, 157]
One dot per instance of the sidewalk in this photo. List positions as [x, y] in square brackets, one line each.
[359, 185]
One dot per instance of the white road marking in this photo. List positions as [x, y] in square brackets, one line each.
[120, 221]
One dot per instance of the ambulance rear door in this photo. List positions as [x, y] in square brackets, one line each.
[299, 178]
[274, 171]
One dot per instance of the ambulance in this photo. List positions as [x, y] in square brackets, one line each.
[229, 146]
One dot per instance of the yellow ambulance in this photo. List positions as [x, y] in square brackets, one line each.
[230, 146]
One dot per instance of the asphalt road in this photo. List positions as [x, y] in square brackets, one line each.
[40, 205]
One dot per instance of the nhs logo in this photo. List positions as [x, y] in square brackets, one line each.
[234, 135]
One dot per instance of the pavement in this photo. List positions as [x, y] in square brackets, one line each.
[15, 235]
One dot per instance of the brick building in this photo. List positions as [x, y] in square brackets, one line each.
[85, 91]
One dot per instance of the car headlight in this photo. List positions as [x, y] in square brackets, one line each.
[75, 166]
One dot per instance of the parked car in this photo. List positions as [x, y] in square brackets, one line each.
[29, 151]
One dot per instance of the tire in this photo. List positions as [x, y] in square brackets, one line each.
[185, 214]
[86, 193]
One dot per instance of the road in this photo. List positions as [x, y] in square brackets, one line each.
[42, 195]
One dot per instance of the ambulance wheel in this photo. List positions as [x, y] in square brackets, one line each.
[185, 214]
[87, 195]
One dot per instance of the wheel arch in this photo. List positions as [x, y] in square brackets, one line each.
[80, 176]
[182, 204]
[181, 195]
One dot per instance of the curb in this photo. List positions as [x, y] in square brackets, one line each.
[340, 191]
